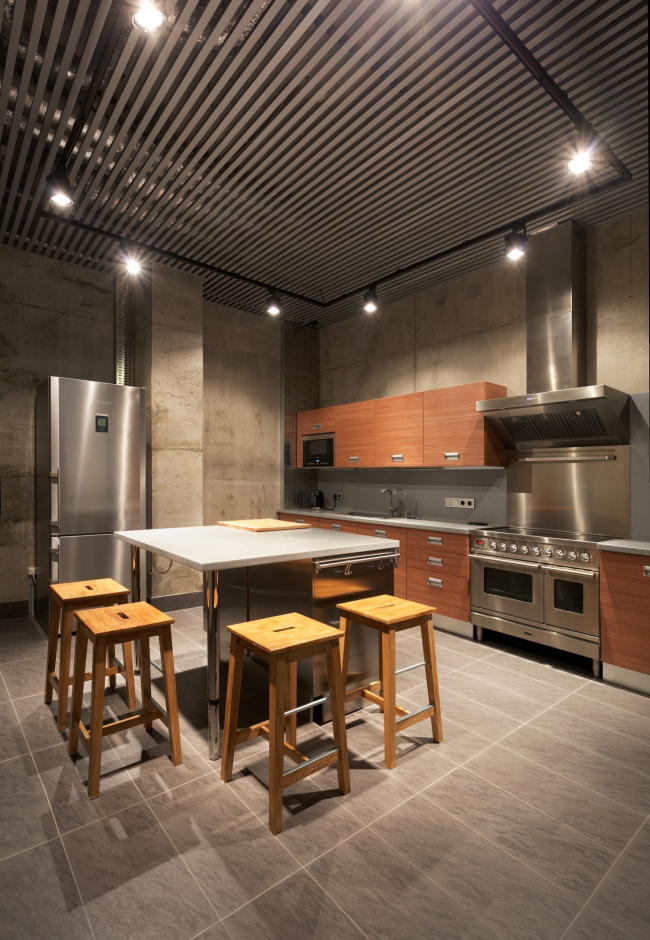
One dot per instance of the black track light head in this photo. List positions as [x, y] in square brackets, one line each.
[59, 189]
[273, 305]
[515, 246]
[370, 302]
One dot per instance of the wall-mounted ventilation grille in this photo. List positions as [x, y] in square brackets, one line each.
[124, 331]
[300, 356]
[583, 425]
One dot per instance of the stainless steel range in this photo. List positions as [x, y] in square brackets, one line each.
[540, 586]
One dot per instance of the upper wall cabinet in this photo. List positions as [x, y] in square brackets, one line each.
[317, 421]
[355, 435]
[455, 434]
[399, 431]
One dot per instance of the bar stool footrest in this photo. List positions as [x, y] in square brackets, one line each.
[412, 718]
[310, 766]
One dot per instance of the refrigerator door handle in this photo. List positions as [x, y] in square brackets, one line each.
[56, 478]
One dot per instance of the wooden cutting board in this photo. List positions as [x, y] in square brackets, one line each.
[264, 525]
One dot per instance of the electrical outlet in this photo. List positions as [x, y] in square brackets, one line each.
[459, 502]
[338, 496]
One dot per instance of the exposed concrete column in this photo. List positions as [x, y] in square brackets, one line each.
[169, 362]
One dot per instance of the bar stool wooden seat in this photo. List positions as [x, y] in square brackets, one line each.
[65, 600]
[388, 615]
[104, 627]
[283, 641]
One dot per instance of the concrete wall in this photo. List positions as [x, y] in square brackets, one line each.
[169, 362]
[242, 415]
[473, 328]
[55, 319]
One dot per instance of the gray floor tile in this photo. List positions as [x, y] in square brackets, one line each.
[66, 779]
[390, 899]
[196, 633]
[12, 740]
[25, 677]
[25, 815]
[186, 618]
[464, 645]
[133, 882]
[230, 852]
[633, 703]
[4, 694]
[27, 645]
[609, 718]
[605, 776]
[458, 744]
[512, 900]
[183, 646]
[623, 897]
[216, 932]
[560, 854]
[38, 721]
[374, 791]
[38, 897]
[297, 909]
[603, 820]
[543, 671]
[487, 722]
[589, 926]
[541, 693]
[18, 627]
[516, 706]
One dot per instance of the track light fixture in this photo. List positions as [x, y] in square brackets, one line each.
[515, 245]
[59, 189]
[579, 164]
[149, 17]
[129, 257]
[370, 300]
[273, 305]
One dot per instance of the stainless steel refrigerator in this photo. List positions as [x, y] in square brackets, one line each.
[90, 481]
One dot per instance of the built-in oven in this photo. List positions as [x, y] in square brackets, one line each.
[571, 599]
[318, 450]
[508, 586]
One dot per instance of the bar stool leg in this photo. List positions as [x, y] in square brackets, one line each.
[52, 641]
[96, 718]
[171, 701]
[381, 663]
[232, 707]
[338, 720]
[345, 626]
[80, 651]
[112, 679]
[290, 701]
[127, 655]
[145, 677]
[277, 670]
[388, 693]
[431, 670]
[64, 669]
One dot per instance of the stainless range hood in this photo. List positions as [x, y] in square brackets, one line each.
[558, 411]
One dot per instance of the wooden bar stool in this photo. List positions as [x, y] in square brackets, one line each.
[103, 628]
[282, 642]
[65, 600]
[388, 615]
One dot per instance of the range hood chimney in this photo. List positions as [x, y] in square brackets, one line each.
[558, 410]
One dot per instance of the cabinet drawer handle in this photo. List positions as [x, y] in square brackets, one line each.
[435, 582]
[336, 527]
[300, 520]
[646, 571]
[317, 426]
[434, 540]
[453, 455]
[353, 459]
[380, 533]
[396, 458]
[435, 561]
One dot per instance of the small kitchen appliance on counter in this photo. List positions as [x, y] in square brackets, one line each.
[318, 499]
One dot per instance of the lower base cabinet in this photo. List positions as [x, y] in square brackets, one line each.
[448, 594]
[625, 610]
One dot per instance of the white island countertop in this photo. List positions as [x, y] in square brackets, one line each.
[214, 548]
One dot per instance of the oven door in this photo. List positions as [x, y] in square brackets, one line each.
[571, 599]
[508, 586]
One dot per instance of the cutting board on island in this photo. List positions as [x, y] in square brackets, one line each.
[264, 525]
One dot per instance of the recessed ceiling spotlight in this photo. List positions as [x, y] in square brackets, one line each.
[131, 263]
[370, 301]
[132, 266]
[580, 164]
[273, 305]
[59, 189]
[515, 245]
[149, 17]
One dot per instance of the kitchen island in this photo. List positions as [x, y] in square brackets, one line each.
[210, 549]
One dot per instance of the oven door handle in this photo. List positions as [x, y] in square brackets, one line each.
[487, 560]
[574, 571]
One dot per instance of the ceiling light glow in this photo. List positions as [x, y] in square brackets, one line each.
[273, 305]
[132, 266]
[148, 18]
[370, 301]
[59, 189]
[580, 164]
[515, 246]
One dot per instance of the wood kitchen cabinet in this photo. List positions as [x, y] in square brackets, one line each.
[296, 517]
[399, 431]
[355, 435]
[316, 421]
[438, 571]
[380, 531]
[625, 610]
[337, 525]
[455, 434]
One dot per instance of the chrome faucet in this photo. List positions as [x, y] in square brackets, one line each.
[391, 494]
[401, 490]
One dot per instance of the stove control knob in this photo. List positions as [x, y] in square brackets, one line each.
[513, 546]
[535, 550]
[524, 549]
[503, 546]
[559, 553]
[548, 551]
[585, 556]
[572, 556]
[493, 544]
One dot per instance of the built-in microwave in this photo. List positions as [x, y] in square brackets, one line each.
[318, 450]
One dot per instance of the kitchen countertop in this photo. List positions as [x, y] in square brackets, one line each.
[213, 548]
[461, 528]
[627, 546]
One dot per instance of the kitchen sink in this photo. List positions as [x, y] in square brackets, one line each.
[371, 515]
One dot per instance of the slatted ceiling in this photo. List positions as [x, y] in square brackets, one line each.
[317, 147]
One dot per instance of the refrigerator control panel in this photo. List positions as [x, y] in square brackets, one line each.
[101, 423]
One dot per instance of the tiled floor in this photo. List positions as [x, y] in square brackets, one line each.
[531, 820]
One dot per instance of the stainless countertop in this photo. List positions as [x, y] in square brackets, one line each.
[213, 548]
[459, 527]
[626, 546]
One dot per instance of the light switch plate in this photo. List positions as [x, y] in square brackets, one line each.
[459, 502]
